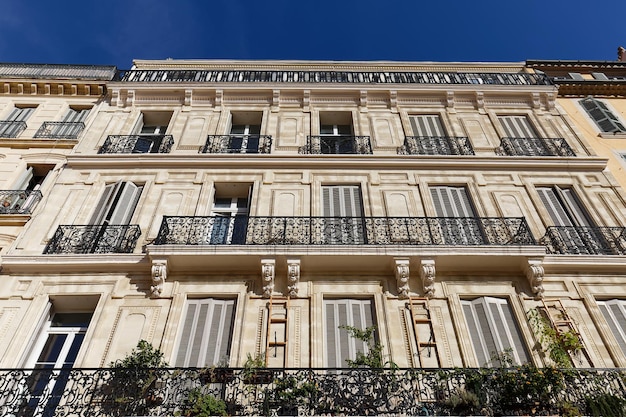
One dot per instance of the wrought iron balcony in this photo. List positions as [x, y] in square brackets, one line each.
[436, 145]
[580, 240]
[97, 238]
[237, 144]
[19, 201]
[60, 130]
[137, 144]
[11, 128]
[336, 145]
[534, 147]
[332, 77]
[523, 390]
[242, 230]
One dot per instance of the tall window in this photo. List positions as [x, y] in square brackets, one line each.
[563, 206]
[206, 333]
[517, 127]
[342, 209]
[336, 133]
[493, 330]
[604, 118]
[117, 204]
[345, 312]
[614, 311]
[428, 125]
[229, 221]
[13, 125]
[457, 220]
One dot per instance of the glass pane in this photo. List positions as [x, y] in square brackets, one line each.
[52, 349]
[71, 319]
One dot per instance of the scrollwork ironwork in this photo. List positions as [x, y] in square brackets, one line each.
[534, 147]
[94, 239]
[436, 145]
[137, 144]
[336, 145]
[585, 240]
[237, 144]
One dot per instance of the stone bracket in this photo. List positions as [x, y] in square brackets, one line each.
[427, 273]
[268, 273]
[534, 274]
[293, 276]
[403, 273]
[159, 276]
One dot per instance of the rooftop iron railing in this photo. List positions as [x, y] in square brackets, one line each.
[244, 230]
[524, 390]
[60, 130]
[337, 145]
[584, 240]
[237, 144]
[11, 128]
[19, 201]
[436, 145]
[333, 77]
[137, 144]
[96, 238]
[534, 147]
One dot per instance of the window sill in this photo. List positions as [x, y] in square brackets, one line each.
[617, 135]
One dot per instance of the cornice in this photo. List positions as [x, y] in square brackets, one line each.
[27, 143]
[338, 162]
[55, 264]
[582, 264]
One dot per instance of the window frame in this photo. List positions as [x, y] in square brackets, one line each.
[609, 114]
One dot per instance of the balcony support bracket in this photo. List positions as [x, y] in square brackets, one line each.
[427, 273]
[268, 272]
[159, 276]
[534, 274]
[402, 270]
[293, 276]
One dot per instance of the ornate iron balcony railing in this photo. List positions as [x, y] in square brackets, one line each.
[534, 147]
[523, 390]
[97, 238]
[243, 230]
[237, 144]
[436, 145]
[336, 145]
[11, 128]
[137, 144]
[19, 201]
[333, 77]
[580, 240]
[60, 130]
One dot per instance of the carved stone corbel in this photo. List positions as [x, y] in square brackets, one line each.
[188, 97]
[427, 273]
[159, 275]
[534, 274]
[403, 274]
[268, 272]
[293, 276]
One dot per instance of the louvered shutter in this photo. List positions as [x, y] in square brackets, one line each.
[602, 115]
[24, 179]
[341, 201]
[206, 334]
[117, 203]
[563, 206]
[451, 202]
[427, 125]
[345, 312]
[614, 312]
[71, 126]
[493, 329]
[517, 127]
[17, 115]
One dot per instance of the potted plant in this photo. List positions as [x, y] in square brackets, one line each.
[199, 404]
[254, 370]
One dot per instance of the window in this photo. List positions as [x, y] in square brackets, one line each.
[604, 118]
[16, 122]
[427, 125]
[493, 330]
[457, 222]
[345, 312]
[57, 348]
[517, 127]
[206, 333]
[245, 132]
[229, 215]
[117, 204]
[614, 312]
[336, 133]
[70, 127]
[342, 209]
[153, 123]
[563, 206]
[29, 182]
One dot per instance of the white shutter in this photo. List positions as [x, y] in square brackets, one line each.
[24, 179]
[341, 201]
[345, 312]
[563, 206]
[517, 127]
[614, 312]
[493, 329]
[20, 114]
[117, 203]
[451, 202]
[207, 331]
[427, 125]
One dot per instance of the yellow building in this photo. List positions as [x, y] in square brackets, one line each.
[227, 210]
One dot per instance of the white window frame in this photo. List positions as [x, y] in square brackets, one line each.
[607, 308]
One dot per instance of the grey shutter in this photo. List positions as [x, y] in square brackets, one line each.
[20, 114]
[563, 206]
[427, 125]
[517, 127]
[341, 201]
[451, 202]
[207, 331]
[602, 115]
[614, 312]
[117, 203]
[345, 312]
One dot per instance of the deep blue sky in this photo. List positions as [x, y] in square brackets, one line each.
[114, 32]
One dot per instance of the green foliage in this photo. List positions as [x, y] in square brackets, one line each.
[558, 345]
[374, 358]
[290, 392]
[142, 356]
[253, 363]
[463, 403]
[199, 404]
[606, 405]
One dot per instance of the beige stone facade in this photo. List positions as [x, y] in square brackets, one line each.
[339, 193]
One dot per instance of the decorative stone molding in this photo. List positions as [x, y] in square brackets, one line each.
[293, 276]
[403, 274]
[534, 274]
[188, 97]
[480, 101]
[427, 273]
[536, 100]
[450, 100]
[159, 275]
[268, 272]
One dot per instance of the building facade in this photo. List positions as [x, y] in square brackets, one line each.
[223, 210]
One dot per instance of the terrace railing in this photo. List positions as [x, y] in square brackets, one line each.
[19, 201]
[337, 145]
[60, 130]
[237, 144]
[436, 145]
[583, 240]
[137, 144]
[534, 147]
[96, 238]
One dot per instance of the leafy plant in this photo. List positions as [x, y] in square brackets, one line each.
[254, 370]
[463, 403]
[374, 358]
[558, 345]
[199, 404]
[606, 405]
[289, 393]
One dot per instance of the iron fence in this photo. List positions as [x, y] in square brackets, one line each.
[19, 201]
[137, 144]
[60, 130]
[583, 240]
[97, 238]
[436, 145]
[534, 147]
[237, 144]
[11, 128]
[337, 145]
